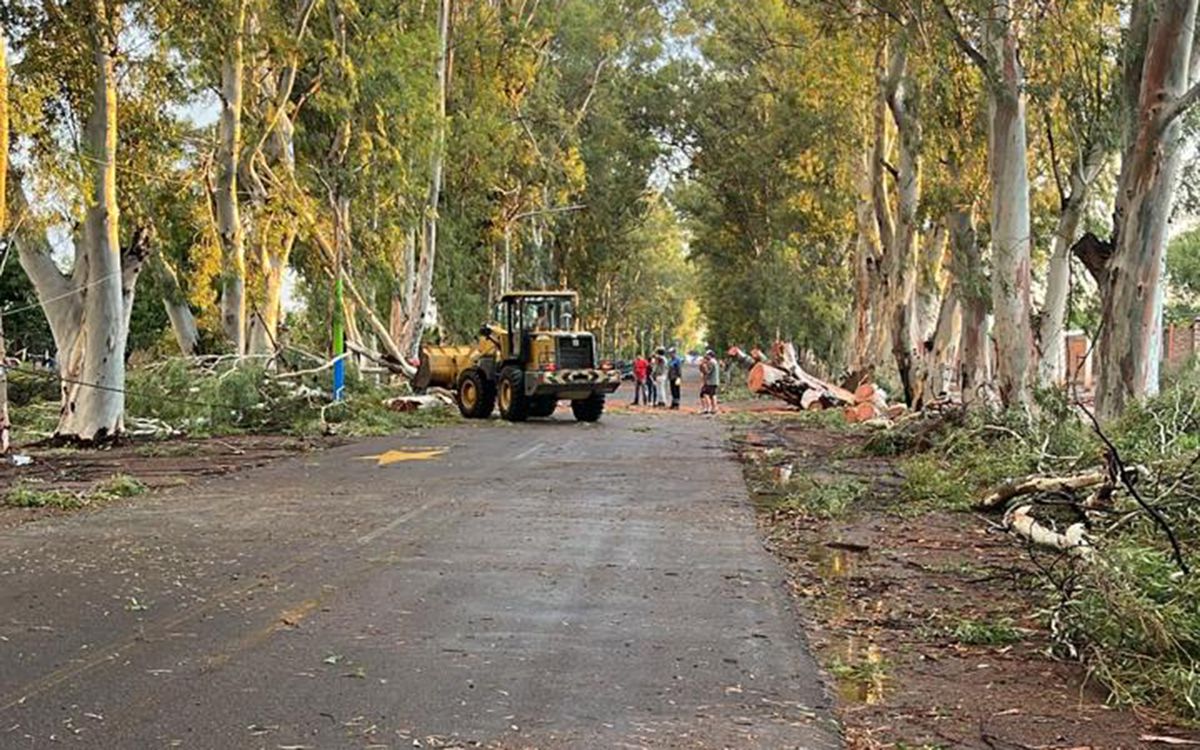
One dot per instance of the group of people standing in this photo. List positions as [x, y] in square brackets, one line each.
[662, 372]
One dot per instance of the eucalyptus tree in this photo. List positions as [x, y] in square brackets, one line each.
[72, 55]
[1158, 86]
[990, 34]
[1072, 57]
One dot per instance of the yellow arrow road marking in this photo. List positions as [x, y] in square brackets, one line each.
[395, 456]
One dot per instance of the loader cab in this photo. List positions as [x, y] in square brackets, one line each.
[533, 320]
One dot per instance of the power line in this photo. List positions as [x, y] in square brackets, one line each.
[64, 295]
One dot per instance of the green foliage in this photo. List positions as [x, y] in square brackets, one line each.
[25, 329]
[776, 96]
[241, 399]
[1138, 623]
[28, 387]
[958, 465]
[1163, 428]
[1131, 613]
[1183, 274]
[1126, 610]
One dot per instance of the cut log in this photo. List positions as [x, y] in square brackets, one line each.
[785, 386]
[863, 412]
[1030, 485]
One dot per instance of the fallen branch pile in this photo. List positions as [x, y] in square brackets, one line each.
[1106, 486]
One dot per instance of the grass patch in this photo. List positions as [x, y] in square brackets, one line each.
[29, 494]
[120, 485]
[34, 494]
[1001, 631]
[931, 483]
[831, 498]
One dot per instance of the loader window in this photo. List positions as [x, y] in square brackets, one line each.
[550, 314]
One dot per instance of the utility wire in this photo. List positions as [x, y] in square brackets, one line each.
[64, 295]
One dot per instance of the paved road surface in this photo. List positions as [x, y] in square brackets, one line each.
[549, 585]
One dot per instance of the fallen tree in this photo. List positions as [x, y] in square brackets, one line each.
[781, 376]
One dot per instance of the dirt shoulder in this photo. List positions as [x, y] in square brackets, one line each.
[82, 475]
[927, 622]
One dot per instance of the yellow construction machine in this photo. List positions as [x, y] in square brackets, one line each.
[530, 357]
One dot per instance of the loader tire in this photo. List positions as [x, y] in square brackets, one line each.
[476, 396]
[514, 404]
[543, 406]
[588, 409]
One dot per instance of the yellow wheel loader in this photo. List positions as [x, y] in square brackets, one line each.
[532, 356]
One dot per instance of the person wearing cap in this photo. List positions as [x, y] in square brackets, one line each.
[710, 369]
[674, 375]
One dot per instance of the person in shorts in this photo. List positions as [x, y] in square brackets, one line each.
[710, 373]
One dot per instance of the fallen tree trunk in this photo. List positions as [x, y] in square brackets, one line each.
[1072, 540]
[1030, 485]
[796, 387]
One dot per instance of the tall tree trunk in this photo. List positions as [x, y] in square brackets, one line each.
[229, 221]
[423, 293]
[867, 285]
[404, 263]
[970, 288]
[928, 310]
[900, 258]
[93, 369]
[1010, 218]
[1159, 61]
[1052, 366]
[943, 353]
[4, 423]
[881, 341]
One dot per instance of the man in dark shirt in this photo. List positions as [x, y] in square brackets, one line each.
[674, 375]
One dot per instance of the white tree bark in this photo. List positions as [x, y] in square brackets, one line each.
[93, 369]
[932, 310]
[1010, 217]
[946, 339]
[5, 425]
[229, 221]
[423, 294]
[1052, 367]
[901, 256]
[1161, 55]
[273, 155]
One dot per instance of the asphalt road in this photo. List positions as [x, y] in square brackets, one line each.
[548, 585]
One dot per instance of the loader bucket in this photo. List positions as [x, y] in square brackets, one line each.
[440, 366]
